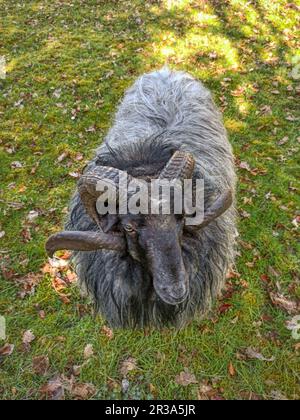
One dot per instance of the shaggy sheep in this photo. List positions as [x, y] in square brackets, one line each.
[155, 269]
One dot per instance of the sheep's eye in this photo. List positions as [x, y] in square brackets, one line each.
[129, 228]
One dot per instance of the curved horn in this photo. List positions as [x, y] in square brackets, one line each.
[222, 203]
[84, 241]
[87, 188]
[180, 166]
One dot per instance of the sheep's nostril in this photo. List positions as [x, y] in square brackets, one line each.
[173, 295]
[179, 292]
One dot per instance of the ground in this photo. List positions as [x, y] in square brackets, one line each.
[68, 64]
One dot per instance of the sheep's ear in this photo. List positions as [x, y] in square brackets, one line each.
[222, 203]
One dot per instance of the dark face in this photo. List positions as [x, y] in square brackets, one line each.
[155, 241]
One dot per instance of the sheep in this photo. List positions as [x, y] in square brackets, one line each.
[155, 270]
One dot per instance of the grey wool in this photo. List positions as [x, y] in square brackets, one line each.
[164, 111]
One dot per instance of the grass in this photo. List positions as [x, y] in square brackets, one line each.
[68, 64]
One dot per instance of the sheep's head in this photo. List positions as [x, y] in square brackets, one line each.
[153, 240]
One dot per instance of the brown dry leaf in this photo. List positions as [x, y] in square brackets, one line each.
[62, 157]
[83, 391]
[70, 276]
[76, 369]
[58, 285]
[75, 175]
[245, 165]
[185, 378]
[53, 390]
[290, 306]
[127, 366]
[113, 385]
[88, 351]
[251, 353]
[152, 389]
[278, 396]
[42, 314]
[79, 157]
[231, 369]
[32, 216]
[26, 235]
[59, 263]
[297, 347]
[205, 392]
[284, 140]
[16, 165]
[28, 337]
[245, 245]
[265, 110]
[108, 332]
[40, 365]
[7, 350]
[28, 284]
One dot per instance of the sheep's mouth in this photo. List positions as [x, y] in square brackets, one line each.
[171, 300]
[170, 294]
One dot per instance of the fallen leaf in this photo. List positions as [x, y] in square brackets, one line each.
[58, 262]
[265, 278]
[16, 165]
[284, 140]
[265, 110]
[185, 378]
[26, 235]
[297, 347]
[294, 326]
[231, 369]
[7, 350]
[28, 284]
[83, 391]
[152, 389]
[75, 175]
[56, 94]
[292, 6]
[125, 385]
[284, 303]
[108, 332]
[296, 221]
[2, 234]
[28, 337]
[76, 369]
[224, 308]
[253, 354]
[207, 392]
[127, 366]
[42, 314]
[233, 274]
[32, 215]
[88, 351]
[278, 396]
[71, 276]
[245, 165]
[62, 157]
[53, 390]
[79, 157]
[40, 365]
[91, 129]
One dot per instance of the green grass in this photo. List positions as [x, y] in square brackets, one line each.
[92, 51]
